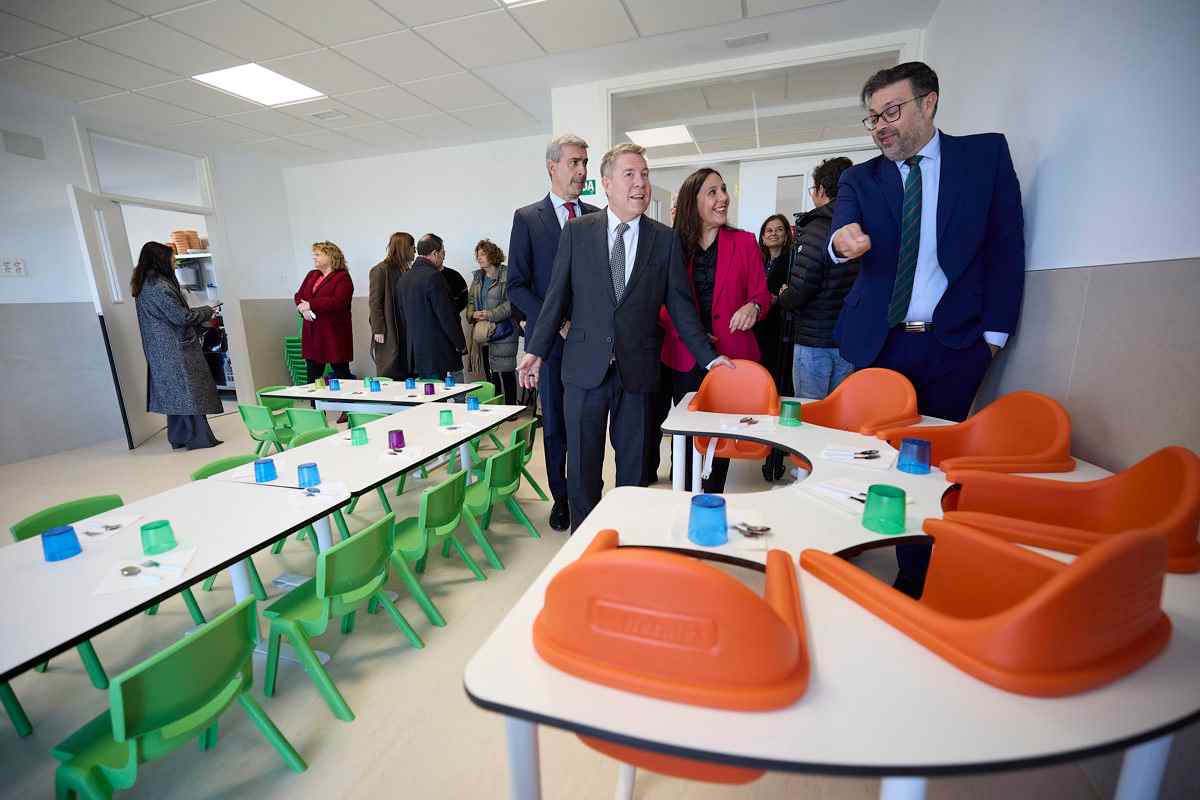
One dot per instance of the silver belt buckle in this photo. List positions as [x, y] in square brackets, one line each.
[915, 327]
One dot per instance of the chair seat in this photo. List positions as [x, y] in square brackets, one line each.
[281, 432]
[478, 497]
[299, 605]
[734, 448]
[410, 540]
[94, 745]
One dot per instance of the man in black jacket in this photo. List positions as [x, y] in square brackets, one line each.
[816, 291]
[435, 335]
[621, 267]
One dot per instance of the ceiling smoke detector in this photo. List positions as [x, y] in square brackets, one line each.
[329, 116]
[745, 41]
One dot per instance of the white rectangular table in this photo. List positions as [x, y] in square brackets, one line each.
[354, 396]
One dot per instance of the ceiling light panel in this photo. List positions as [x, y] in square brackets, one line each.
[658, 137]
[257, 83]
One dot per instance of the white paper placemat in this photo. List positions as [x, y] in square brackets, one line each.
[170, 565]
[101, 528]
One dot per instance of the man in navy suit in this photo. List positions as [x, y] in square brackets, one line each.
[532, 246]
[937, 222]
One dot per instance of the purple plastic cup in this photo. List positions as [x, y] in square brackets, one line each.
[429, 389]
[396, 439]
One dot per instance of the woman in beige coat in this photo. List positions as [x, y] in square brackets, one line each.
[388, 346]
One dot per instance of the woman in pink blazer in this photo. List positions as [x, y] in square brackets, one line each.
[729, 286]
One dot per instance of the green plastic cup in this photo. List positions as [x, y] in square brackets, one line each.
[884, 512]
[445, 417]
[789, 412]
[358, 436]
[157, 537]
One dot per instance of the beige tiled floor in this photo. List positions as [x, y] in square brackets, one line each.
[416, 735]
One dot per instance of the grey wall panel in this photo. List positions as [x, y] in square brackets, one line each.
[267, 321]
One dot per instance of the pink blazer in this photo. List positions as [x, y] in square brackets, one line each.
[741, 279]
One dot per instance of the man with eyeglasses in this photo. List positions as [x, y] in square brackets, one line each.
[937, 222]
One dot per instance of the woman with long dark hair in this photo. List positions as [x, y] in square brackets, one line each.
[178, 382]
[388, 346]
[775, 241]
[729, 286]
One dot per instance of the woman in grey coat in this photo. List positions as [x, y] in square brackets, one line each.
[178, 383]
[490, 315]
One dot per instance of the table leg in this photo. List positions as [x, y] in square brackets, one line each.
[524, 770]
[1142, 769]
[324, 537]
[902, 789]
[678, 454]
[464, 456]
[626, 777]
[241, 580]
[697, 467]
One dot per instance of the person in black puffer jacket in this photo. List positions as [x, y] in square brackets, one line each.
[817, 289]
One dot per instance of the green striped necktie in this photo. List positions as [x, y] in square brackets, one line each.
[910, 243]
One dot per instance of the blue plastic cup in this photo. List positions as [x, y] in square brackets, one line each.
[410, 383]
[307, 475]
[376, 386]
[472, 404]
[60, 543]
[449, 380]
[335, 385]
[707, 525]
[264, 470]
[914, 456]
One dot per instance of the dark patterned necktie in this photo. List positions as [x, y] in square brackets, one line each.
[910, 243]
[616, 261]
[570, 211]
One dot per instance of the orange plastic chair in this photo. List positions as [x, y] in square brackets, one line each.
[669, 626]
[1160, 494]
[1020, 432]
[1019, 620]
[865, 402]
[749, 389]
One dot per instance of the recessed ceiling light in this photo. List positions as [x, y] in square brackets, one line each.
[657, 137]
[259, 84]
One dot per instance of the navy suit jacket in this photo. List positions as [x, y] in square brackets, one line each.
[980, 245]
[532, 246]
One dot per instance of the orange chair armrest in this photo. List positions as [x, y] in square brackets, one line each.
[870, 428]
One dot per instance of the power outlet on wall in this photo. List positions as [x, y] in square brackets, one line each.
[12, 267]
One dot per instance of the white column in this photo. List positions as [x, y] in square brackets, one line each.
[524, 771]
[1142, 769]
[902, 789]
[678, 454]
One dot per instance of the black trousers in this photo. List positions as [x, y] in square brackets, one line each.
[672, 386]
[589, 412]
[191, 431]
[946, 381]
[505, 382]
[551, 394]
[317, 368]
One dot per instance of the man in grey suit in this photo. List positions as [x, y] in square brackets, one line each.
[613, 272]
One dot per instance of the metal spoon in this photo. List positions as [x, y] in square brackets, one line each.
[151, 563]
[130, 571]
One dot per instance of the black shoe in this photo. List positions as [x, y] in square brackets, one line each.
[560, 516]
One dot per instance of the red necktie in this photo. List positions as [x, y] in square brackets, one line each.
[570, 211]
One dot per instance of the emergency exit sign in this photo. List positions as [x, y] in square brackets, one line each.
[589, 187]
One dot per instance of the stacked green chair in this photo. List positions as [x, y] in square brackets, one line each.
[277, 405]
[15, 712]
[215, 468]
[301, 420]
[297, 367]
[168, 700]
[350, 574]
[260, 424]
[441, 511]
[501, 480]
[526, 433]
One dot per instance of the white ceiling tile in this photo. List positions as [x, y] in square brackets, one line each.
[216, 130]
[456, 91]
[281, 148]
[420, 12]
[153, 6]
[327, 71]
[744, 94]
[844, 132]
[663, 16]
[75, 17]
[143, 110]
[756, 8]
[47, 80]
[352, 19]
[327, 140]
[199, 97]
[305, 111]
[90, 61]
[730, 143]
[389, 102]
[789, 136]
[382, 134]
[502, 116]
[17, 35]
[482, 40]
[722, 130]
[433, 126]
[560, 25]
[400, 57]
[272, 122]
[165, 47]
[233, 26]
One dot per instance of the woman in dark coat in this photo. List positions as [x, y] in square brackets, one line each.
[388, 346]
[775, 242]
[178, 382]
[324, 302]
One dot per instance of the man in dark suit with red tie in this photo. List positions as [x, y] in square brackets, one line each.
[532, 246]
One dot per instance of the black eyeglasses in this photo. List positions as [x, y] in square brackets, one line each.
[889, 114]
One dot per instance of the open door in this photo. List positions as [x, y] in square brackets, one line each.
[105, 246]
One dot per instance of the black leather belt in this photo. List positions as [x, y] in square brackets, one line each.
[916, 327]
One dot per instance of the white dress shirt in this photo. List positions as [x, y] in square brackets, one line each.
[929, 282]
[560, 208]
[631, 240]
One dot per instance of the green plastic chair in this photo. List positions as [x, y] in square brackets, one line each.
[15, 712]
[356, 419]
[440, 513]
[260, 424]
[215, 468]
[165, 702]
[349, 575]
[501, 480]
[526, 433]
[308, 437]
[301, 420]
[277, 405]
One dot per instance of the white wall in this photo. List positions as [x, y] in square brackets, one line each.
[462, 194]
[671, 178]
[759, 184]
[1098, 101]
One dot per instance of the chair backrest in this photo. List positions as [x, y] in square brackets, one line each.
[273, 403]
[182, 689]
[749, 389]
[257, 419]
[306, 419]
[498, 400]
[64, 514]
[502, 471]
[301, 439]
[222, 465]
[867, 400]
[442, 505]
[354, 568]
[525, 433]
[358, 418]
[484, 392]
